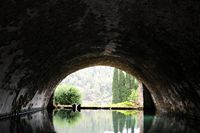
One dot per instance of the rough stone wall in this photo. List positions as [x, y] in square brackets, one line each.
[41, 42]
[148, 101]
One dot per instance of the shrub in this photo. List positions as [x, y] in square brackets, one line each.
[67, 95]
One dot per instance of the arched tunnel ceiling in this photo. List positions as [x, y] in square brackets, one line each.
[43, 41]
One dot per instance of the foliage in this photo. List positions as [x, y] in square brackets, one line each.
[134, 95]
[123, 104]
[94, 83]
[124, 87]
[92, 87]
[115, 89]
[66, 95]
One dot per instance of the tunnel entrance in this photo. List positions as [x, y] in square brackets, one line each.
[99, 87]
[102, 110]
[41, 42]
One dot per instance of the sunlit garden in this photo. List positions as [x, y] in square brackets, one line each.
[119, 89]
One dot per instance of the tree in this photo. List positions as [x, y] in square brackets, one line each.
[134, 83]
[115, 89]
[122, 87]
[134, 89]
[67, 95]
[128, 80]
[128, 85]
[134, 95]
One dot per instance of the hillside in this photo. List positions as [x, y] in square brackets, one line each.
[95, 84]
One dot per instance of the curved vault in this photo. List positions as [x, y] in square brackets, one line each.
[42, 42]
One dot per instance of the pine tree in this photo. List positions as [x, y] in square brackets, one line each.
[128, 85]
[135, 83]
[115, 89]
[122, 87]
[132, 82]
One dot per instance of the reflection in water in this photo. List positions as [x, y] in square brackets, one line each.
[33, 123]
[97, 122]
[126, 123]
[62, 118]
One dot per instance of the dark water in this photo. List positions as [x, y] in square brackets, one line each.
[98, 121]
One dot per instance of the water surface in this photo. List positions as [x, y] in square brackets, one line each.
[97, 121]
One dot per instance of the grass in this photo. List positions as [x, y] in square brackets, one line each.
[124, 104]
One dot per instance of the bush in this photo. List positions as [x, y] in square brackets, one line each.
[67, 95]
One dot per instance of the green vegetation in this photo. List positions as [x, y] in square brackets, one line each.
[94, 83]
[124, 104]
[134, 96]
[123, 90]
[115, 89]
[66, 95]
[124, 87]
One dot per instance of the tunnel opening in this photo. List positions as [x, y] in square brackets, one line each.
[117, 120]
[99, 86]
[122, 90]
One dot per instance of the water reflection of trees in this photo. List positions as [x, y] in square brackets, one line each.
[66, 117]
[121, 122]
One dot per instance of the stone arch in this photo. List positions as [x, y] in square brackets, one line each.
[155, 40]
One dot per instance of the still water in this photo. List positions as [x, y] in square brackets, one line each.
[97, 121]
